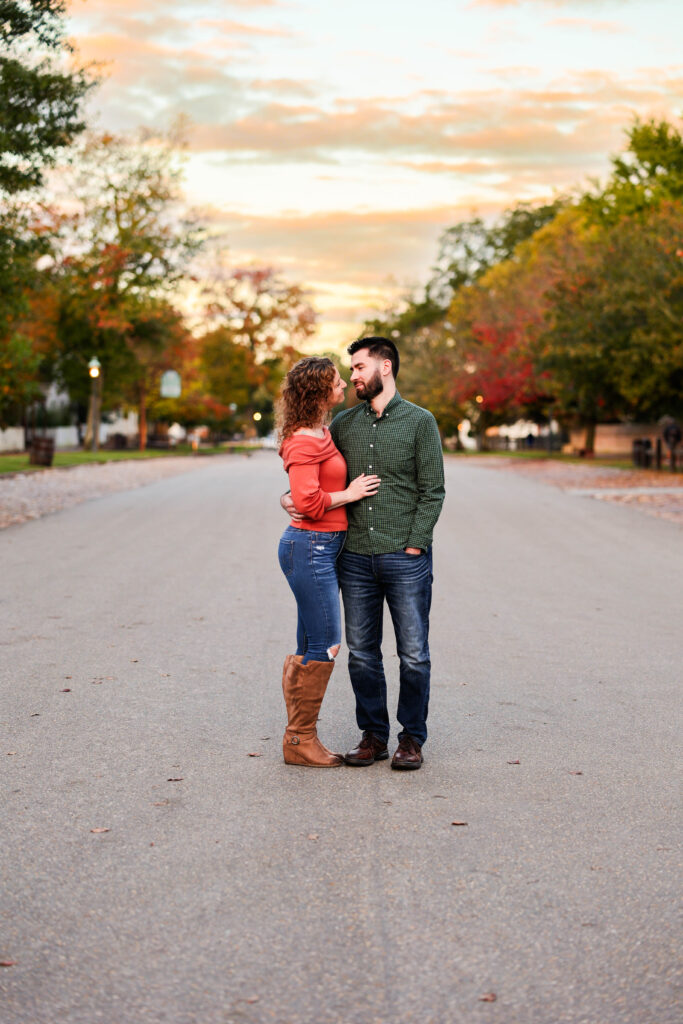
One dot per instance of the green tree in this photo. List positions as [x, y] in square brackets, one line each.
[470, 248]
[40, 114]
[649, 172]
[40, 99]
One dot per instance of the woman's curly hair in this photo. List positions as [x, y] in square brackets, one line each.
[304, 395]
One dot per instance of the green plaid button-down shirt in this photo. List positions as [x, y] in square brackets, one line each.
[403, 447]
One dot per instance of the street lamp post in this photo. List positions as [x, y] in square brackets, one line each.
[94, 370]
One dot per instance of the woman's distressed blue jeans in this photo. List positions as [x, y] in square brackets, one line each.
[308, 558]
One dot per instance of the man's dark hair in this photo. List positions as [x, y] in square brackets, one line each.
[380, 348]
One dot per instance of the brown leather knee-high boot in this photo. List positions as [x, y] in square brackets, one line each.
[287, 686]
[304, 687]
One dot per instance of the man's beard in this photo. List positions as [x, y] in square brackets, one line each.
[370, 390]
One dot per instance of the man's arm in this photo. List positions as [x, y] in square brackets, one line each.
[287, 503]
[430, 483]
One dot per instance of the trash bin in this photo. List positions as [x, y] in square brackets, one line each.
[42, 451]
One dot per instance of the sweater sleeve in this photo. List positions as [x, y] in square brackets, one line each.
[307, 494]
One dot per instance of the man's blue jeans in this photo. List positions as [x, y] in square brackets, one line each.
[405, 581]
[308, 560]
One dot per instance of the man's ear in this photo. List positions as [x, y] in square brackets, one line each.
[386, 368]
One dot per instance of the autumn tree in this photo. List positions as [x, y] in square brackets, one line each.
[613, 347]
[258, 323]
[124, 250]
[461, 354]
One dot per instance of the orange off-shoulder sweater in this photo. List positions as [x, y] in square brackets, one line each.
[315, 468]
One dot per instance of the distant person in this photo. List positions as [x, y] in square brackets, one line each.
[310, 546]
[388, 550]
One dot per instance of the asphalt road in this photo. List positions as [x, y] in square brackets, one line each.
[142, 639]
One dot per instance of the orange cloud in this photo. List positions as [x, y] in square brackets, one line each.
[609, 27]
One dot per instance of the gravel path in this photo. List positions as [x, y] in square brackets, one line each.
[33, 495]
[658, 494]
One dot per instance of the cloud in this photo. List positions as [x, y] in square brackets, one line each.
[362, 249]
[542, 3]
[608, 27]
[572, 119]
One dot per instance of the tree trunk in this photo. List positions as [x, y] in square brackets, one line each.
[142, 415]
[87, 440]
[589, 443]
[92, 428]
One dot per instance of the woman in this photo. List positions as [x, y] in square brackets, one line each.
[310, 545]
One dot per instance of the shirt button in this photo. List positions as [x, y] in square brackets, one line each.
[372, 527]
[369, 467]
[372, 446]
[369, 508]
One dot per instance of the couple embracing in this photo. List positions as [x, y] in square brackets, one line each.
[370, 538]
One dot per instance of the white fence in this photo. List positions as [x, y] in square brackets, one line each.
[12, 439]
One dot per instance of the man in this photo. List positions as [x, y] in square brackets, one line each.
[388, 550]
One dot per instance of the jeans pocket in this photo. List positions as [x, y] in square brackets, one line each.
[285, 553]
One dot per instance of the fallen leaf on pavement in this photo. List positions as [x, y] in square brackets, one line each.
[66, 690]
[576, 773]
[252, 999]
[99, 830]
[313, 836]
[7, 963]
[488, 997]
[161, 803]
[515, 762]
[255, 754]
[11, 753]
[176, 780]
[458, 823]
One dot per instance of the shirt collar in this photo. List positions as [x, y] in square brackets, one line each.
[391, 404]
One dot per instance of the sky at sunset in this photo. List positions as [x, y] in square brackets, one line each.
[337, 140]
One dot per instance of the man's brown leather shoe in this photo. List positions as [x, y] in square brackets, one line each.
[370, 749]
[408, 754]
